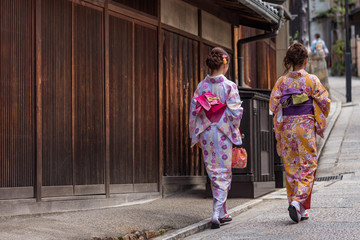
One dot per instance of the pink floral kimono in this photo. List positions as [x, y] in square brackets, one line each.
[300, 105]
[215, 114]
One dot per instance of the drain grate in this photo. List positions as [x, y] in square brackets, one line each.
[329, 178]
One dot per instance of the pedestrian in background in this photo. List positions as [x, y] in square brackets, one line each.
[318, 45]
[300, 105]
[215, 114]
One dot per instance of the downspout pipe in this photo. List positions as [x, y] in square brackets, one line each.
[254, 39]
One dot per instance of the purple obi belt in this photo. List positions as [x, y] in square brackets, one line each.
[296, 102]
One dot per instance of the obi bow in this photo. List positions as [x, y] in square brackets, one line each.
[297, 97]
[212, 105]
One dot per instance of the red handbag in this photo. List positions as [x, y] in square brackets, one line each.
[239, 157]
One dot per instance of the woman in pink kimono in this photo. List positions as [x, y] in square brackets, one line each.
[214, 122]
[300, 105]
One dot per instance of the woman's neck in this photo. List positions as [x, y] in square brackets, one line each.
[215, 73]
[298, 68]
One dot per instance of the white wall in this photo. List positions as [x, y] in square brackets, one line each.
[180, 15]
[216, 30]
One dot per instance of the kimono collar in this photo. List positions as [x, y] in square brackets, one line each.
[215, 79]
[300, 73]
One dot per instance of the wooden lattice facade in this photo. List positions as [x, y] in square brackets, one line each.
[94, 97]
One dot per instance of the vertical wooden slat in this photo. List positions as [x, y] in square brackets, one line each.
[193, 151]
[268, 63]
[133, 105]
[180, 80]
[107, 99]
[166, 77]
[38, 103]
[161, 99]
[174, 113]
[73, 95]
[199, 77]
[185, 115]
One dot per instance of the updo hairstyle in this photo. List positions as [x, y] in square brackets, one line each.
[295, 56]
[215, 58]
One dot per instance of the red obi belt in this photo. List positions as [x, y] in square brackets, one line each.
[212, 106]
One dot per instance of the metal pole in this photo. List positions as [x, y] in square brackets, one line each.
[347, 53]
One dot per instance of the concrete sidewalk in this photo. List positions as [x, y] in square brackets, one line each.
[185, 214]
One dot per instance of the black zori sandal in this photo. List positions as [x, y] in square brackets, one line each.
[293, 213]
[215, 225]
[225, 219]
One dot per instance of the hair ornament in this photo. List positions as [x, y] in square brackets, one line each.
[224, 58]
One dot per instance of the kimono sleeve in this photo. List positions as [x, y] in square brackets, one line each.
[275, 97]
[198, 122]
[276, 109]
[321, 105]
[229, 123]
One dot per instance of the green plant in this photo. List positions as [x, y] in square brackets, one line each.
[293, 39]
[337, 12]
[338, 57]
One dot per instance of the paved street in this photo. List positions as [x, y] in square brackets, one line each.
[335, 203]
[334, 213]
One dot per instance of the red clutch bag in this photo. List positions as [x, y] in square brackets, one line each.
[239, 157]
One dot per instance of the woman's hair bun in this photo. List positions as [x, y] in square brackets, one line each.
[215, 58]
[295, 56]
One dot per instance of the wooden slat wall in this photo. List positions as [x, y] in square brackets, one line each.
[146, 165]
[262, 64]
[17, 95]
[56, 92]
[266, 63]
[88, 112]
[250, 58]
[121, 105]
[272, 55]
[181, 76]
[71, 47]
[205, 50]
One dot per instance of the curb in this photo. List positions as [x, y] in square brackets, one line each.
[205, 224]
[322, 141]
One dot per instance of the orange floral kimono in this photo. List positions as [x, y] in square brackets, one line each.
[296, 132]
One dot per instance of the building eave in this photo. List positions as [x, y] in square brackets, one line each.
[252, 13]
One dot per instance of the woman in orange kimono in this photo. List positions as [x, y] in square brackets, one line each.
[300, 105]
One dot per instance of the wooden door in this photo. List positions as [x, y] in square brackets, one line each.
[17, 99]
[134, 158]
[88, 100]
